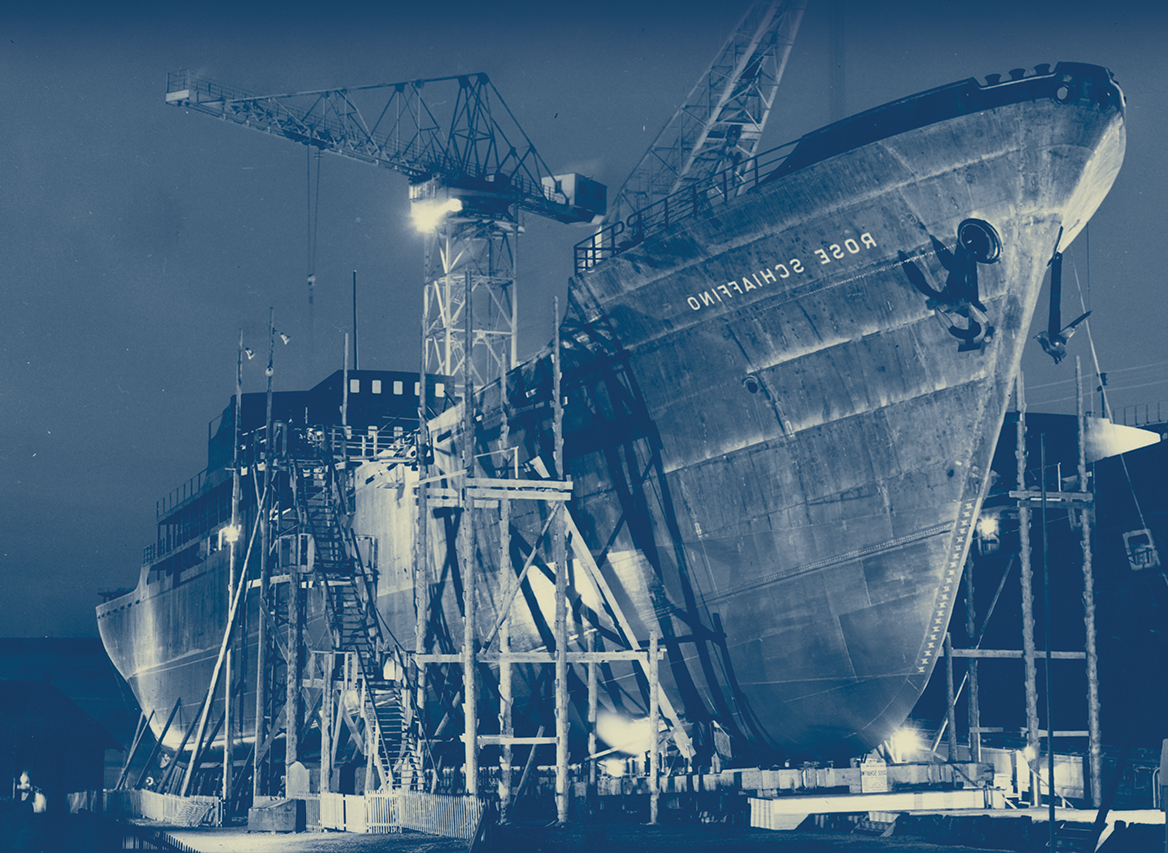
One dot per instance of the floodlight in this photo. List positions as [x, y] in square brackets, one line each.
[428, 213]
[905, 744]
[988, 525]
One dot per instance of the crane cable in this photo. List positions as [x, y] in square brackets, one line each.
[313, 210]
[313, 215]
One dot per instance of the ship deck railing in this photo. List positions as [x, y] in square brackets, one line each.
[1144, 414]
[347, 444]
[181, 494]
[686, 203]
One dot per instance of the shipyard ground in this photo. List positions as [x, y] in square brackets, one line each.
[963, 832]
[545, 839]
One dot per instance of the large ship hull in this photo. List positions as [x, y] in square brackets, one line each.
[820, 525]
[780, 417]
[165, 638]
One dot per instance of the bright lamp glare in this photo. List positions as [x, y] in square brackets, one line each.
[613, 766]
[231, 532]
[905, 744]
[987, 526]
[624, 733]
[428, 213]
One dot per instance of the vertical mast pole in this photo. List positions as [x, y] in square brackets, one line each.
[326, 720]
[1094, 748]
[294, 669]
[1027, 582]
[259, 786]
[560, 557]
[950, 700]
[345, 389]
[467, 561]
[513, 346]
[1046, 632]
[974, 701]
[506, 727]
[654, 723]
[592, 703]
[421, 566]
[233, 539]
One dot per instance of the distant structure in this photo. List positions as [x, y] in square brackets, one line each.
[720, 123]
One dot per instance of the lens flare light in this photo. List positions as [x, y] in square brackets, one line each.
[905, 745]
[628, 735]
[429, 213]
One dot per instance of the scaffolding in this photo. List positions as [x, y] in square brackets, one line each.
[481, 502]
[1028, 498]
[332, 684]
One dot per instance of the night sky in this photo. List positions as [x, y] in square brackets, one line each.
[138, 239]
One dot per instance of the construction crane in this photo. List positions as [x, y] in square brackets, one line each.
[721, 121]
[471, 169]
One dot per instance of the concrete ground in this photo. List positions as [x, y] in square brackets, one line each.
[603, 839]
[239, 840]
[614, 838]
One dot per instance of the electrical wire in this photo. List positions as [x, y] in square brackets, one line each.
[1103, 396]
[1091, 340]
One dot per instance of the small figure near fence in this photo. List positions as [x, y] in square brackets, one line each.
[31, 798]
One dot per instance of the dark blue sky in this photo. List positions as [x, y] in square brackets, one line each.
[138, 239]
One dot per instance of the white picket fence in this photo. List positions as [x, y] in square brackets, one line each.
[169, 808]
[434, 814]
[345, 812]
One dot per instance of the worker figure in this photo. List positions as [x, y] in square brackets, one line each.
[28, 832]
[31, 798]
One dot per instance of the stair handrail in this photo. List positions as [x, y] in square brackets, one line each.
[300, 502]
[361, 578]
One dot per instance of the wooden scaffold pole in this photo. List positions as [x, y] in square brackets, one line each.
[232, 567]
[506, 721]
[559, 537]
[951, 700]
[467, 563]
[1094, 743]
[654, 723]
[971, 635]
[1027, 581]
[327, 730]
[262, 716]
[421, 568]
[592, 708]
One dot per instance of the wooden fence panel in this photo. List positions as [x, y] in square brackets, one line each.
[355, 814]
[332, 811]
